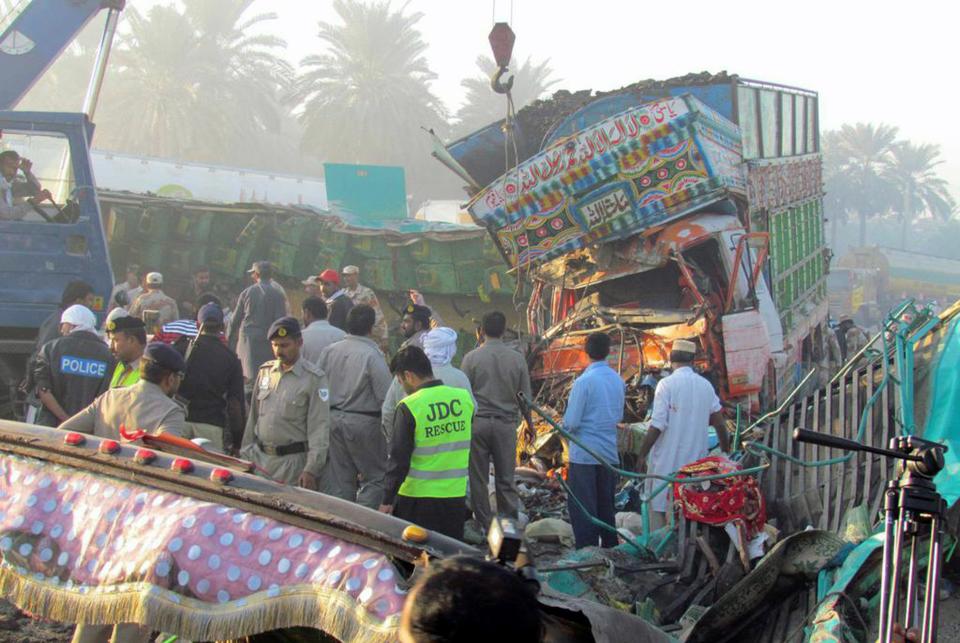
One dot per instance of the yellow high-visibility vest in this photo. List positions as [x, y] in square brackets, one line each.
[441, 452]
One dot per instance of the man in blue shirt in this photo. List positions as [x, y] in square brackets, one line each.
[593, 412]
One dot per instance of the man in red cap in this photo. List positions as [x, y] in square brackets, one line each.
[338, 303]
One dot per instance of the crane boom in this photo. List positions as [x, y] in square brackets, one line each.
[37, 37]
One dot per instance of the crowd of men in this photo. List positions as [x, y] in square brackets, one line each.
[312, 399]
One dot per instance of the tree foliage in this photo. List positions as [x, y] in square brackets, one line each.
[869, 173]
[482, 106]
[194, 84]
[367, 98]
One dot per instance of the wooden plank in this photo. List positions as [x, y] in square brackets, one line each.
[824, 454]
[887, 430]
[868, 438]
[775, 462]
[839, 428]
[858, 460]
[813, 453]
[788, 448]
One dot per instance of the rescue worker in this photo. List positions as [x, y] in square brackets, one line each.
[497, 373]
[338, 303]
[414, 324]
[358, 449]
[317, 331]
[259, 306]
[440, 345]
[360, 294]
[684, 403]
[593, 411]
[213, 385]
[430, 448]
[146, 405]
[73, 370]
[155, 299]
[288, 429]
[128, 338]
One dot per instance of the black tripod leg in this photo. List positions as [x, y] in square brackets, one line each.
[931, 603]
[913, 569]
[896, 573]
[889, 533]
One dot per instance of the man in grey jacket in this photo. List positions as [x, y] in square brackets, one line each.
[257, 308]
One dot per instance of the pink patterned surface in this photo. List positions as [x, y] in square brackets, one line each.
[92, 533]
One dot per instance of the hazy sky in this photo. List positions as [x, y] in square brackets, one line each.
[870, 61]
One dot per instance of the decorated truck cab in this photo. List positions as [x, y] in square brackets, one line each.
[683, 209]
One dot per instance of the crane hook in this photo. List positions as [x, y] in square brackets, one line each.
[497, 84]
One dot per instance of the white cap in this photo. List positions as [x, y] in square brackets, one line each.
[154, 279]
[684, 346]
[350, 270]
[312, 280]
[117, 313]
[79, 316]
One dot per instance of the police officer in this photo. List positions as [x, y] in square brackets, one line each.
[414, 325]
[71, 371]
[358, 448]
[213, 385]
[288, 430]
[128, 338]
[426, 480]
[146, 405]
[257, 307]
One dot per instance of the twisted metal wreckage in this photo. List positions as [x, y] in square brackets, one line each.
[650, 213]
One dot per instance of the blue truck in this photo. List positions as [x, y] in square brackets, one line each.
[62, 239]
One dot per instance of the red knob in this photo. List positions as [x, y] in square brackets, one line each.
[75, 439]
[144, 456]
[182, 465]
[109, 447]
[221, 475]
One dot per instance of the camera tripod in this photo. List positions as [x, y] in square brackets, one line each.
[913, 511]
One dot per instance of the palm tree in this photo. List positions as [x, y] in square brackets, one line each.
[857, 161]
[193, 84]
[367, 96]
[911, 170]
[483, 106]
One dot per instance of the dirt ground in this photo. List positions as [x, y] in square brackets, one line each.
[17, 627]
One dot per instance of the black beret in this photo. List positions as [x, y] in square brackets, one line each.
[284, 327]
[126, 322]
[165, 356]
[418, 312]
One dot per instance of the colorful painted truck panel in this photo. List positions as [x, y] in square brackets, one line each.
[637, 169]
[590, 217]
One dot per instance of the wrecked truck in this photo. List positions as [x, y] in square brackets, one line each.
[684, 209]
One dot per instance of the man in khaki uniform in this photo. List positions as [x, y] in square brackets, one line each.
[155, 299]
[358, 448]
[360, 294]
[288, 429]
[146, 405]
